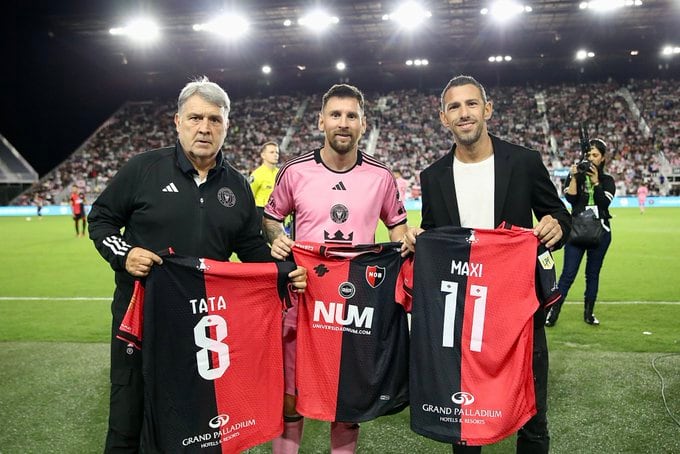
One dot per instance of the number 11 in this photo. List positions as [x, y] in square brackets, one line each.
[478, 314]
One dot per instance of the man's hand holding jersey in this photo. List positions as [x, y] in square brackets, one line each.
[408, 242]
[298, 277]
[139, 261]
[282, 246]
[548, 231]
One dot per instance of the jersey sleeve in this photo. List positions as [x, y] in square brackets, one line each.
[547, 291]
[392, 212]
[281, 202]
[403, 291]
[283, 285]
[131, 328]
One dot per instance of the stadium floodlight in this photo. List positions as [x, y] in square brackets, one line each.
[266, 69]
[604, 6]
[318, 20]
[409, 15]
[228, 25]
[287, 23]
[142, 30]
[507, 58]
[505, 10]
[669, 51]
[582, 54]
[500, 58]
[634, 52]
[340, 66]
[417, 62]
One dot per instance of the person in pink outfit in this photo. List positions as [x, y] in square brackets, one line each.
[335, 194]
[642, 193]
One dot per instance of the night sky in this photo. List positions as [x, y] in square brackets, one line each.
[55, 92]
[52, 96]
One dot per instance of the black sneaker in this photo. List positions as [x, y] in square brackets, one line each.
[591, 320]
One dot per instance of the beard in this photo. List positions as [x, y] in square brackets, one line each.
[343, 147]
[468, 138]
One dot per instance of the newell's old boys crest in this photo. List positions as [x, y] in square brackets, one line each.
[226, 197]
[375, 275]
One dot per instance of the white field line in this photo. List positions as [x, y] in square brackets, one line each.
[616, 303]
[109, 298]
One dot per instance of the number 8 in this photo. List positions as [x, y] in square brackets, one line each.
[214, 345]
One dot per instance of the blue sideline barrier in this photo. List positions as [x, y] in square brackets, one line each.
[618, 202]
[411, 204]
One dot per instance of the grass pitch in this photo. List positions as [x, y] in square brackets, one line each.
[604, 395]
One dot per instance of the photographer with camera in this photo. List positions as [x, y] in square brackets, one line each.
[587, 188]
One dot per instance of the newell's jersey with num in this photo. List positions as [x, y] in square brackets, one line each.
[212, 356]
[352, 339]
[475, 292]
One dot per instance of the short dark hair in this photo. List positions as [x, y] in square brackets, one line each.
[264, 145]
[600, 144]
[459, 81]
[343, 91]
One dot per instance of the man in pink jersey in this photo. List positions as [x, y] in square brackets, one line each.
[642, 193]
[336, 194]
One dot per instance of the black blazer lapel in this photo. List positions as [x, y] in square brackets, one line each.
[448, 188]
[502, 172]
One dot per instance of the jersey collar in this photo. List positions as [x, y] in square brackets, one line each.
[187, 167]
[318, 160]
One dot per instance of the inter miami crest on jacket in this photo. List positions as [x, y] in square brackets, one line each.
[352, 341]
[212, 355]
[475, 293]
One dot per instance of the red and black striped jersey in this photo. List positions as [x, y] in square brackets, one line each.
[352, 337]
[475, 292]
[211, 353]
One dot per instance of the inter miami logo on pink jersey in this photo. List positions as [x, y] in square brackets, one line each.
[339, 213]
[375, 275]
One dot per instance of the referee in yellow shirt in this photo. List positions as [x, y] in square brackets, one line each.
[262, 178]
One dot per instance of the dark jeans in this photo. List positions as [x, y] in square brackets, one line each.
[533, 437]
[572, 261]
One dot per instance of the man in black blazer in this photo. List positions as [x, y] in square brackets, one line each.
[481, 182]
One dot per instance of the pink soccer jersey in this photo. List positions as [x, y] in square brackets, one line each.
[337, 207]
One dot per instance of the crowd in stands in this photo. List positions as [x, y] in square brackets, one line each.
[637, 119]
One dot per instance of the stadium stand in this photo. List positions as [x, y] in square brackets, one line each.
[16, 175]
[638, 120]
